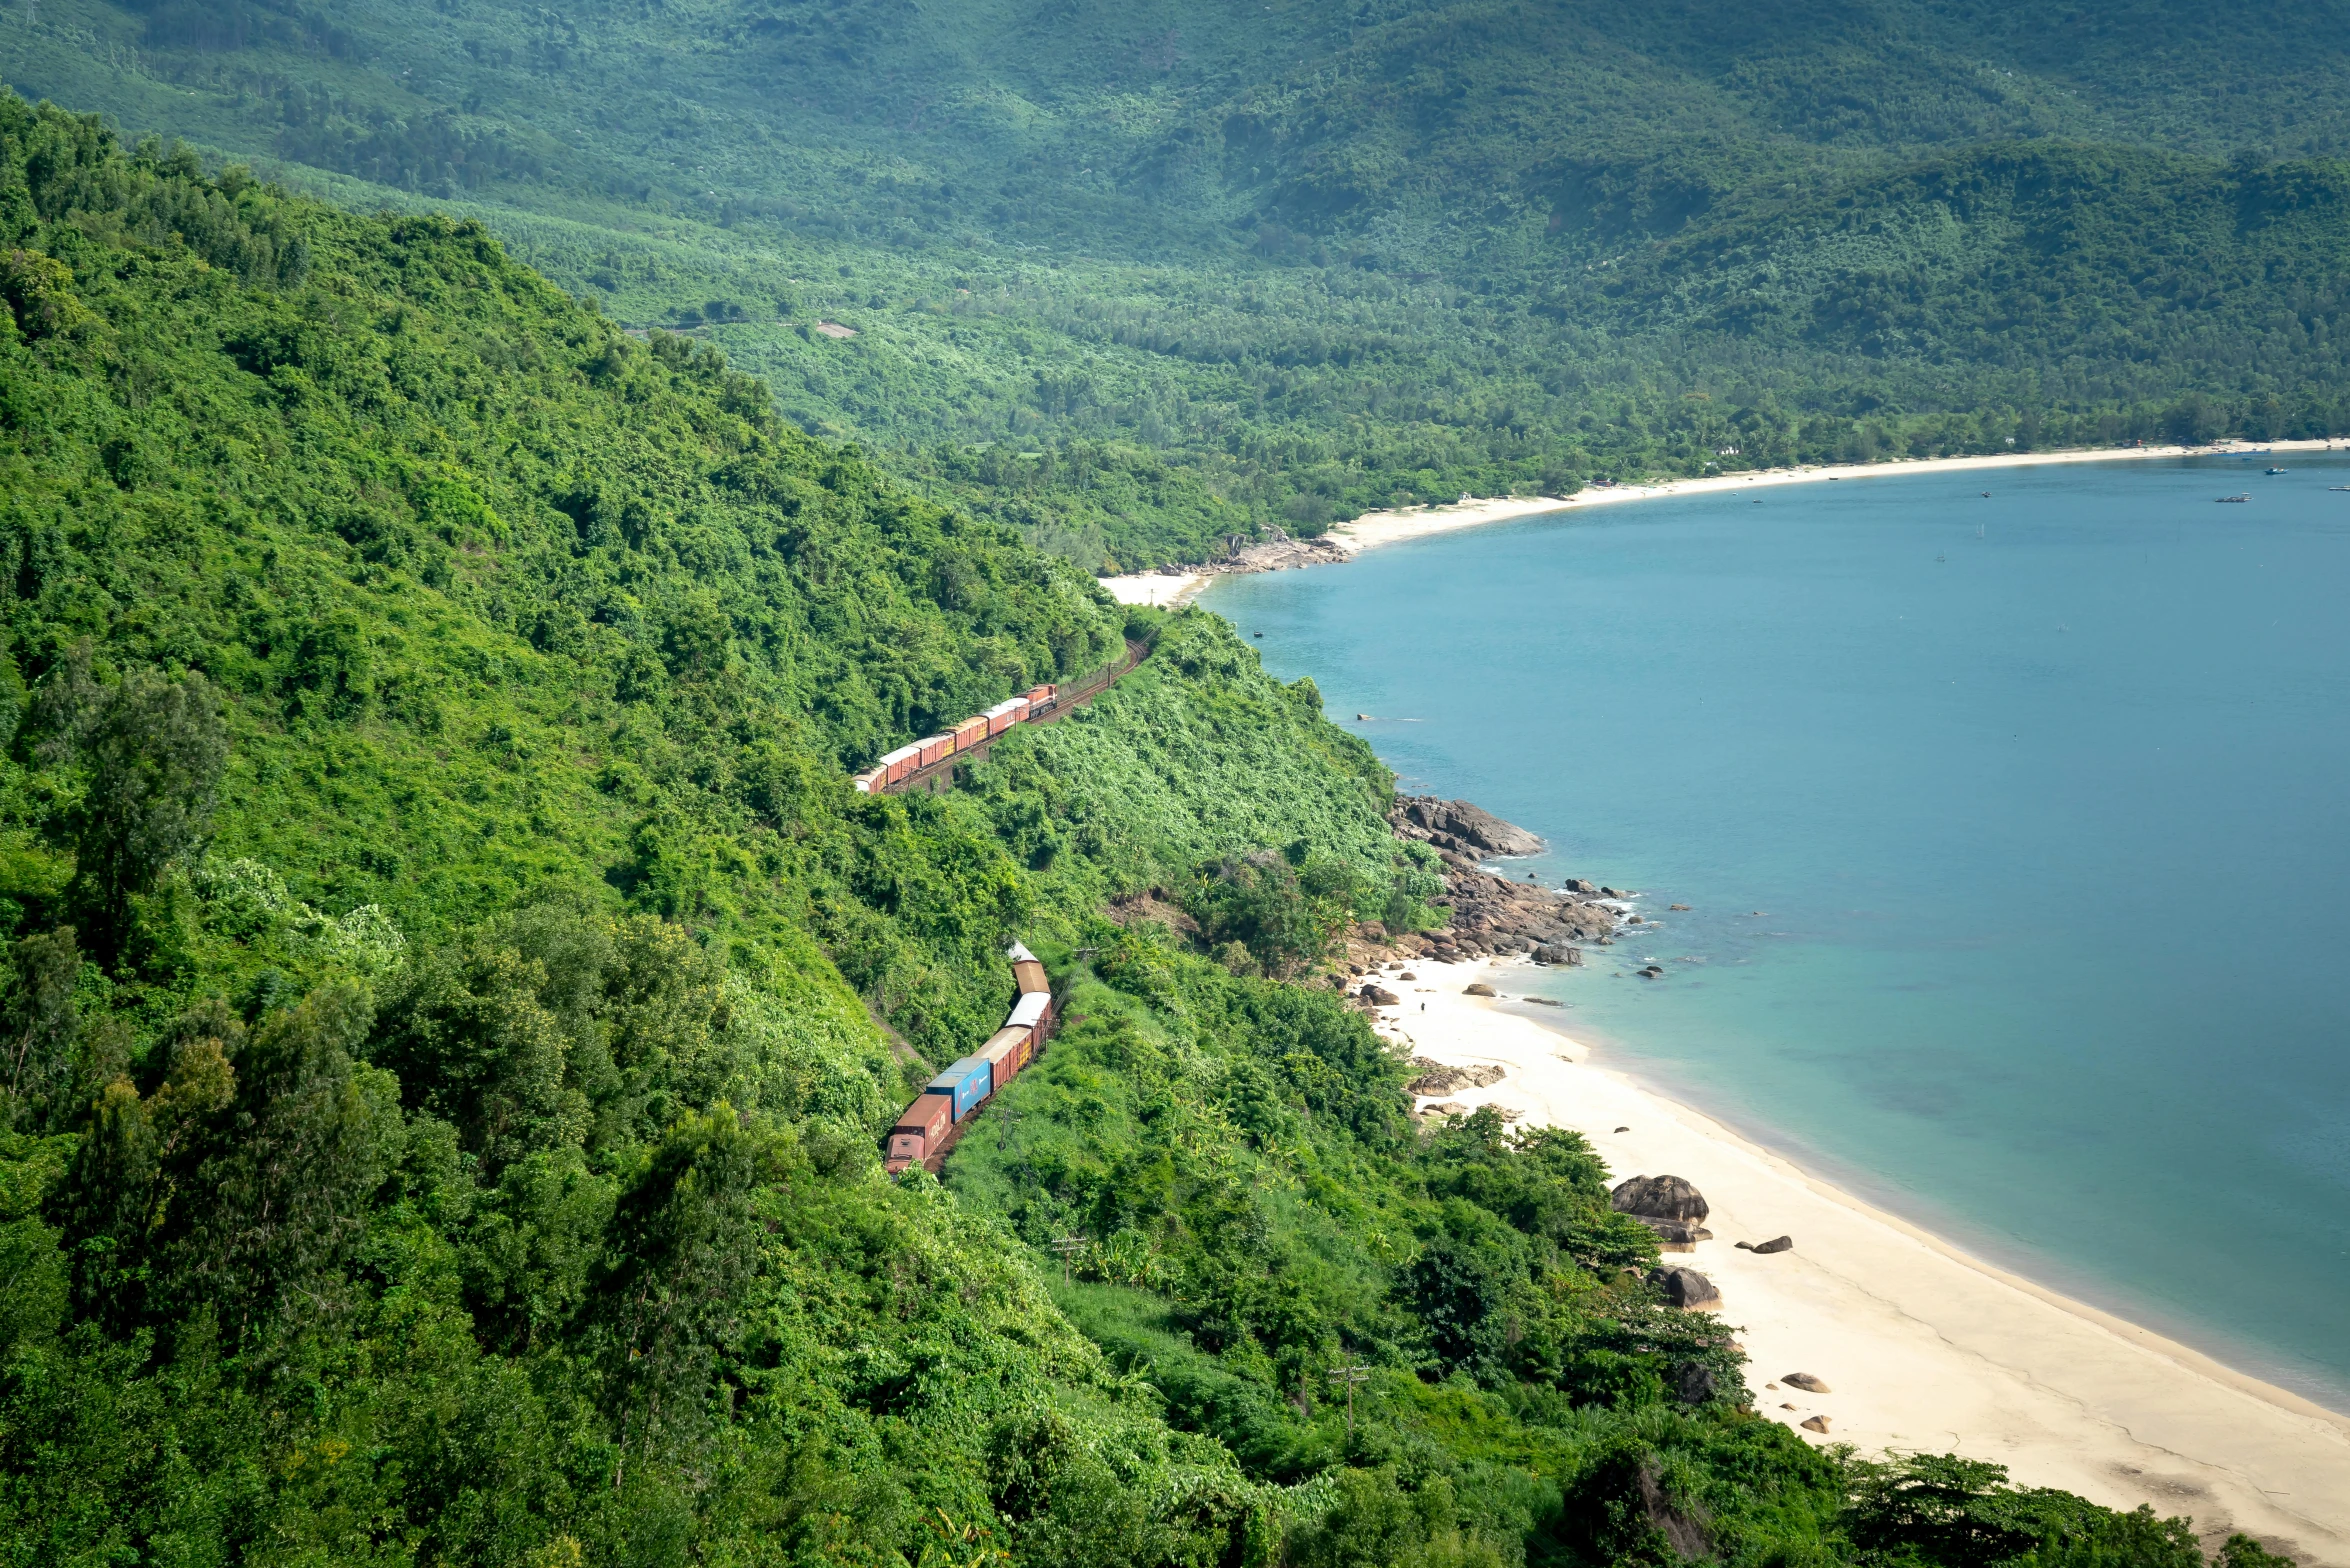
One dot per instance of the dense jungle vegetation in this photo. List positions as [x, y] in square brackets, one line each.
[1136, 278]
[452, 996]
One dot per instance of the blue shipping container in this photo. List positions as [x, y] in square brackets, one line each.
[968, 1082]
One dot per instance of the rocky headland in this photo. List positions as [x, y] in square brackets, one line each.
[1491, 914]
[1276, 552]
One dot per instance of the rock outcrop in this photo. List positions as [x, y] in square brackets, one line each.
[1806, 1382]
[1276, 552]
[1816, 1424]
[1660, 1197]
[1477, 988]
[1775, 1244]
[1487, 914]
[1461, 827]
[1378, 996]
[1687, 1289]
[1438, 1078]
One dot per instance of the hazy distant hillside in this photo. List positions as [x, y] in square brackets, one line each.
[1136, 278]
[1118, 125]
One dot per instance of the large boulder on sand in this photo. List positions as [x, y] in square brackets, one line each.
[1687, 1289]
[1659, 1198]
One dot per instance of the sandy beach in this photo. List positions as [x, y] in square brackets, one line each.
[1375, 529]
[1923, 1348]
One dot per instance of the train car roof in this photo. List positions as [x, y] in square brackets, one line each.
[957, 1071]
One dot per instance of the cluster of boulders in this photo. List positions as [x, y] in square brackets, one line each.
[1275, 552]
[1491, 914]
[1438, 1078]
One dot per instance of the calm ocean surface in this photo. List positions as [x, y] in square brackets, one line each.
[2044, 796]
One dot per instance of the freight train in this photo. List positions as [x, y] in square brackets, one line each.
[926, 1127]
[934, 749]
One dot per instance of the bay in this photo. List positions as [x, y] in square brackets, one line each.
[2014, 830]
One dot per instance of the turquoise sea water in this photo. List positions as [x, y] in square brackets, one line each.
[2043, 798]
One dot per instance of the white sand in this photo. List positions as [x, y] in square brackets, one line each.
[1166, 590]
[1373, 529]
[1923, 1347]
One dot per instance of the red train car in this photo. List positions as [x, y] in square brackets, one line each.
[897, 764]
[970, 731]
[921, 1127]
[1004, 715]
[934, 748]
[1037, 697]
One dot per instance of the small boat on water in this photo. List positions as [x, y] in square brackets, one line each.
[2338, 487]
[2226, 498]
[2275, 470]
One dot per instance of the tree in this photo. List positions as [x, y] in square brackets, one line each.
[152, 751]
[1287, 910]
[41, 1022]
[240, 1186]
[682, 1252]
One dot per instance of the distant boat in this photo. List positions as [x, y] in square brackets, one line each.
[2275, 470]
[2338, 487]
[2235, 498]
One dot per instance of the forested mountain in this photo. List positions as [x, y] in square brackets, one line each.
[1133, 280]
[452, 996]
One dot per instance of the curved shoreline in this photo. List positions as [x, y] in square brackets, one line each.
[1926, 1346]
[1171, 588]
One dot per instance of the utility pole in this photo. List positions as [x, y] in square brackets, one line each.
[1350, 1373]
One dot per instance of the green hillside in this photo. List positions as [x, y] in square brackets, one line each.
[452, 997]
[1132, 281]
